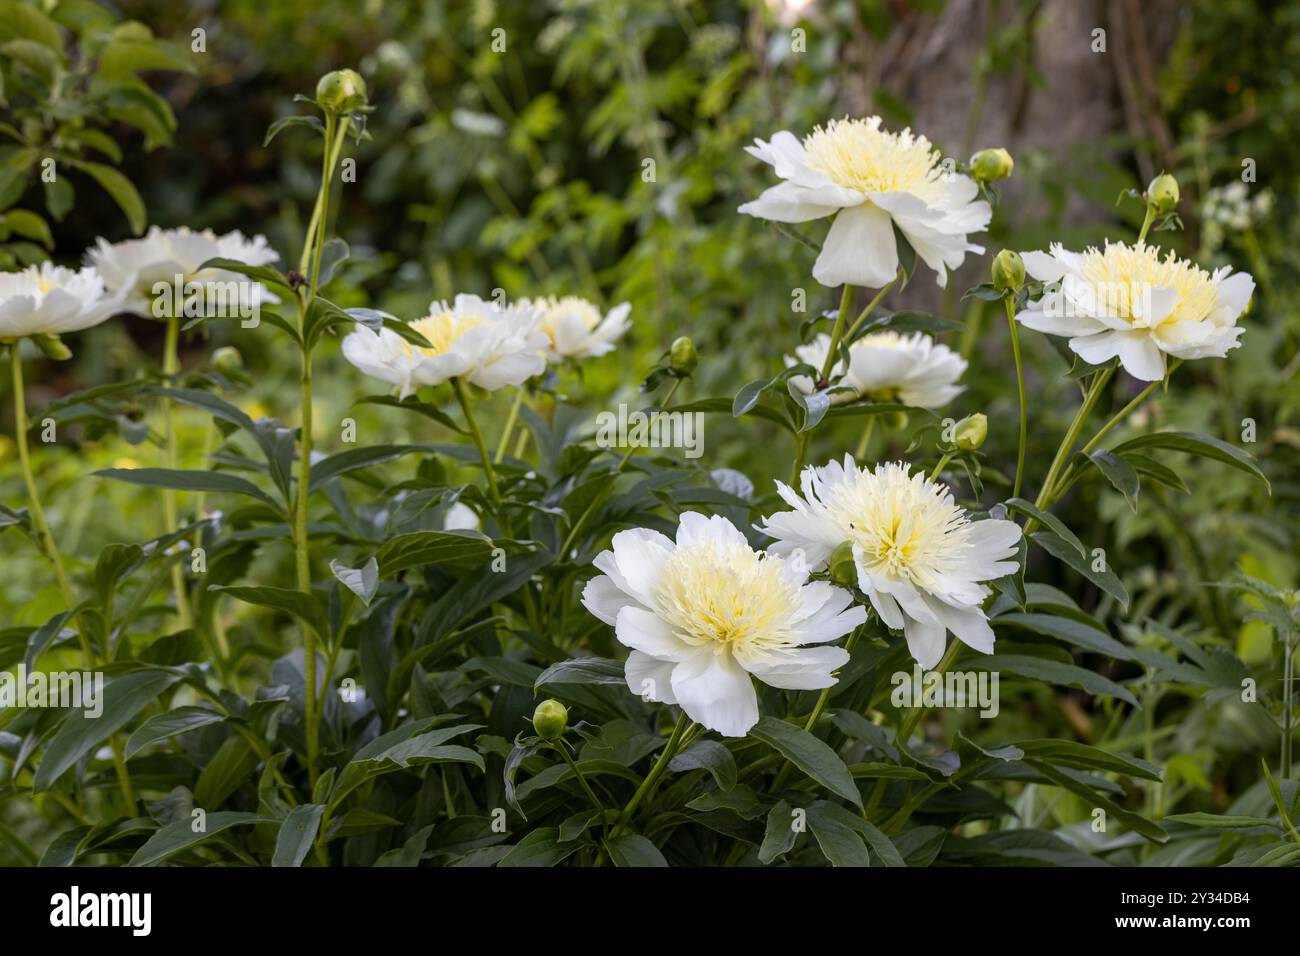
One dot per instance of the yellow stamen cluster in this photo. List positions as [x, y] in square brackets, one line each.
[1122, 278]
[857, 154]
[906, 527]
[728, 596]
[442, 329]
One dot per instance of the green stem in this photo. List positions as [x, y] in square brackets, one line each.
[653, 776]
[1047, 495]
[861, 451]
[504, 443]
[55, 557]
[871, 307]
[586, 787]
[913, 718]
[837, 331]
[1020, 385]
[939, 467]
[815, 716]
[462, 397]
[1288, 704]
[1147, 220]
[335, 133]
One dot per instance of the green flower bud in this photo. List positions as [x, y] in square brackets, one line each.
[53, 347]
[1008, 271]
[227, 359]
[1162, 194]
[894, 421]
[550, 719]
[990, 164]
[682, 357]
[842, 567]
[341, 91]
[971, 432]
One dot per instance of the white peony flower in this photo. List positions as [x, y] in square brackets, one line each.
[705, 612]
[1126, 301]
[50, 300]
[471, 339]
[870, 180]
[918, 555]
[887, 367]
[575, 327]
[137, 265]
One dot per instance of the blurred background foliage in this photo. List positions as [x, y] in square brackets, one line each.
[525, 168]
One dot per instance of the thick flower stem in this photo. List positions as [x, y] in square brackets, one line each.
[914, 717]
[302, 566]
[837, 333]
[1147, 220]
[811, 723]
[871, 307]
[1020, 385]
[653, 776]
[462, 397]
[172, 365]
[335, 133]
[1046, 493]
[51, 550]
[504, 443]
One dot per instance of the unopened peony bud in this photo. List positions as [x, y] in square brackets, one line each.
[341, 91]
[550, 719]
[227, 359]
[990, 164]
[682, 357]
[842, 567]
[971, 432]
[1162, 194]
[1008, 271]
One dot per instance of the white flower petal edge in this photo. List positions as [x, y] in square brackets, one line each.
[870, 180]
[919, 557]
[888, 367]
[575, 327]
[1127, 302]
[704, 614]
[489, 345]
[134, 266]
[51, 300]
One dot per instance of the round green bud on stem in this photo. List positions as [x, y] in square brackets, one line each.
[971, 432]
[1162, 194]
[550, 719]
[341, 91]
[990, 164]
[227, 359]
[843, 569]
[682, 357]
[1008, 271]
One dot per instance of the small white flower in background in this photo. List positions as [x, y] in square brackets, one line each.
[575, 328]
[471, 339]
[887, 367]
[870, 180]
[919, 557]
[460, 517]
[135, 266]
[50, 300]
[705, 612]
[1127, 301]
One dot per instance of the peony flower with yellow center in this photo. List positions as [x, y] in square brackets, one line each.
[576, 328]
[705, 614]
[870, 180]
[1128, 301]
[919, 557]
[887, 366]
[135, 267]
[50, 300]
[478, 341]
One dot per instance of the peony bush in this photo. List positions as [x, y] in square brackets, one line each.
[532, 646]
